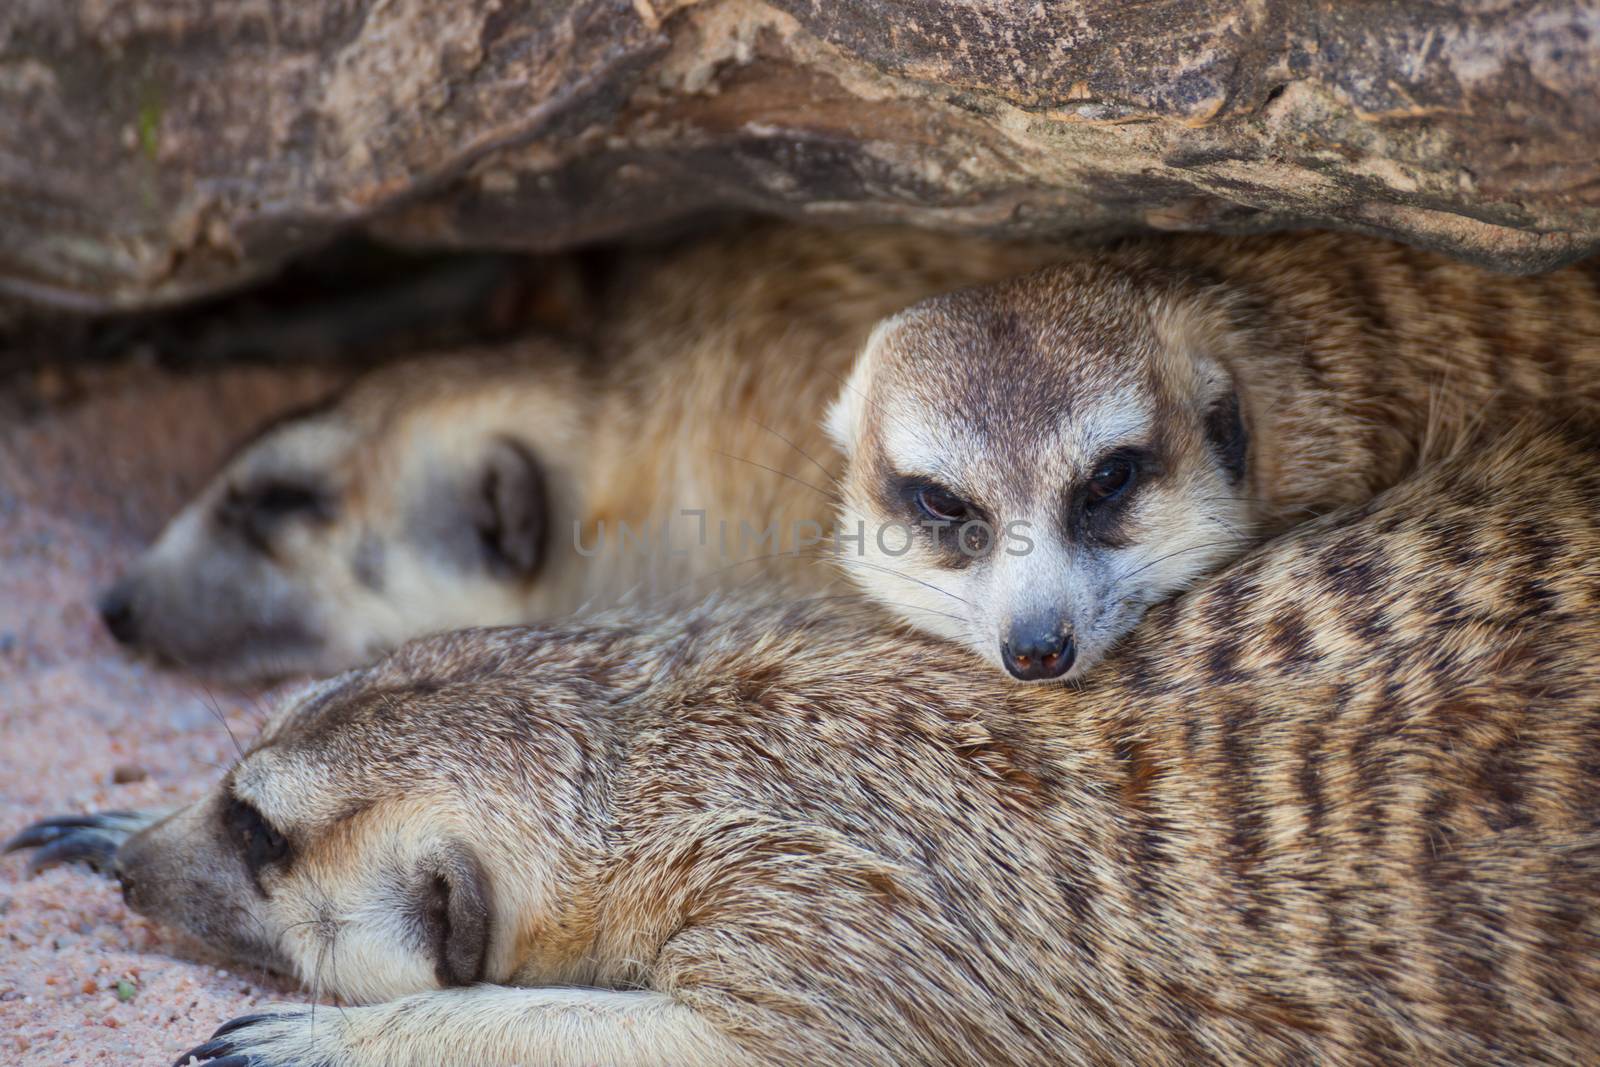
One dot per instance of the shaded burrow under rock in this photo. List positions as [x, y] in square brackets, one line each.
[157, 151]
[351, 305]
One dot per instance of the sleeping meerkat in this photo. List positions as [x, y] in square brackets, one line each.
[421, 490]
[1359, 823]
[1062, 450]
[523, 484]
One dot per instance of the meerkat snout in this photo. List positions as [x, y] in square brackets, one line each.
[1038, 649]
[1060, 451]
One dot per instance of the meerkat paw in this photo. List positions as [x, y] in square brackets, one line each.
[292, 1037]
[91, 839]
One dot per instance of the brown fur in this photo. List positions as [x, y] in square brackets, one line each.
[1338, 805]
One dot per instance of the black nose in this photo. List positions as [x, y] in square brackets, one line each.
[1035, 654]
[116, 611]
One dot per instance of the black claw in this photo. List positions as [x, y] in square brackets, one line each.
[243, 1021]
[32, 837]
[96, 848]
[205, 1052]
[91, 838]
[221, 1045]
[47, 830]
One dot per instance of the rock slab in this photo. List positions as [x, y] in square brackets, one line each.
[152, 150]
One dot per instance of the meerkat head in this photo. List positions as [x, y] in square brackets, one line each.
[1032, 464]
[421, 500]
[413, 825]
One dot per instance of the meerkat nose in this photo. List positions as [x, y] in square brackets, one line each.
[1035, 653]
[116, 611]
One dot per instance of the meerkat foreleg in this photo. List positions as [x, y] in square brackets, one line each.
[487, 1026]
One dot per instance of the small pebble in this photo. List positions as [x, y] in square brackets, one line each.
[128, 773]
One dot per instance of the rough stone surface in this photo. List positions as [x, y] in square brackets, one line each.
[154, 149]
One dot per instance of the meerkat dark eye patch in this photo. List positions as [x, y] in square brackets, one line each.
[256, 840]
[956, 528]
[259, 510]
[1226, 434]
[1096, 504]
[512, 511]
[454, 916]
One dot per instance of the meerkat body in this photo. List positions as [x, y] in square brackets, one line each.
[676, 450]
[1067, 448]
[1337, 806]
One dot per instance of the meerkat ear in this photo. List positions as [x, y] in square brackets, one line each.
[512, 510]
[1227, 435]
[457, 915]
[1216, 400]
[843, 420]
[843, 416]
[1193, 334]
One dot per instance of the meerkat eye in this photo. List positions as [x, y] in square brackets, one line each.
[1114, 476]
[257, 841]
[258, 511]
[941, 505]
[285, 498]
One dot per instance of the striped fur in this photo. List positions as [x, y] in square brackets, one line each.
[1338, 805]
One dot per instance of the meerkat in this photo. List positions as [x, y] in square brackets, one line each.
[1035, 463]
[1337, 805]
[675, 449]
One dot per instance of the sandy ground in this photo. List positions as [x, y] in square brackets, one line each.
[83, 486]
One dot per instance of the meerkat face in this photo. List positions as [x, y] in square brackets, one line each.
[1033, 464]
[338, 535]
[382, 837]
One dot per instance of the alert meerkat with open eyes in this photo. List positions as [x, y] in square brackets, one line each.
[677, 450]
[1338, 805]
[1055, 453]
